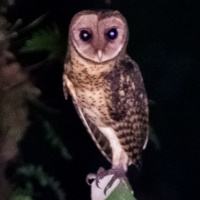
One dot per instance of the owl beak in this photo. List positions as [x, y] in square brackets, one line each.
[100, 55]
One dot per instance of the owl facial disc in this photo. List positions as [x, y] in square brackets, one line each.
[98, 38]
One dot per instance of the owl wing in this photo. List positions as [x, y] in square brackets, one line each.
[65, 89]
[100, 140]
[127, 106]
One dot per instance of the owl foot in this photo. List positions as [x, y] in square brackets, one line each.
[117, 172]
[91, 176]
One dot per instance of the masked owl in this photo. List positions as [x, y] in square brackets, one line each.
[106, 86]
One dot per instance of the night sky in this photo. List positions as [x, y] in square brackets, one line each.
[165, 42]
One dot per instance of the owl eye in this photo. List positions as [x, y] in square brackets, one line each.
[112, 34]
[85, 35]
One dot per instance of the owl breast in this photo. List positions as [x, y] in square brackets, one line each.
[92, 103]
[88, 83]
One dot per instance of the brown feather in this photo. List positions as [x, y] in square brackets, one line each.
[129, 110]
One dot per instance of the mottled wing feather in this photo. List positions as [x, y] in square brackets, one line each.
[100, 140]
[128, 107]
[65, 89]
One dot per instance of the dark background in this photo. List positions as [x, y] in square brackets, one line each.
[165, 42]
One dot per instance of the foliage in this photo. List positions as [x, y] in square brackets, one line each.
[122, 192]
[33, 183]
[46, 39]
[17, 94]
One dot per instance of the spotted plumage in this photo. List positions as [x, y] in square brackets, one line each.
[107, 86]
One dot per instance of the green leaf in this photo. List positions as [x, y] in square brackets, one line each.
[41, 179]
[22, 194]
[47, 39]
[21, 197]
[122, 192]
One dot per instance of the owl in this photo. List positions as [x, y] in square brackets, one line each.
[106, 86]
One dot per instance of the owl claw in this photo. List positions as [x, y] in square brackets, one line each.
[90, 178]
[101, 173]
[117, 172]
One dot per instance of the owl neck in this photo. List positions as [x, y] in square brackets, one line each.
[80, 70]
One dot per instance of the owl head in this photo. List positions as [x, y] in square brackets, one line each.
[98, 36]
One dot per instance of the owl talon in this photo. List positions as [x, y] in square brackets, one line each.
[101, 170]
[117, 172]
[101, 173]
[90, 178]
